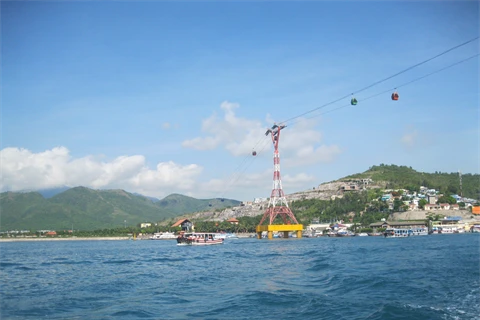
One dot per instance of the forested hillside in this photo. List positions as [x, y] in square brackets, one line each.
[82, 208]
[407, 178]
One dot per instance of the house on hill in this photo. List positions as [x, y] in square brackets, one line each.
[233, 221]
[184, 224]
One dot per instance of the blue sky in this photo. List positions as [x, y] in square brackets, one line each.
[163, 97]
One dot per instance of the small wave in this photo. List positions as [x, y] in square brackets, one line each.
[10, 264]
[133, 314]
[119, 261]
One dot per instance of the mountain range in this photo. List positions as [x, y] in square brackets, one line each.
[81, 208]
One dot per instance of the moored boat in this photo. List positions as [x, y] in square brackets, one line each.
[401, 233]
[163, 236]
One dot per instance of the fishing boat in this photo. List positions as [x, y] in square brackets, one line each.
[198, 239]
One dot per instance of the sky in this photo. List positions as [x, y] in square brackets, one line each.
[162, 97]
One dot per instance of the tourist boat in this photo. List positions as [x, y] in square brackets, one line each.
[419, 231]
[163, 236]
[198, 239]
[401, 233]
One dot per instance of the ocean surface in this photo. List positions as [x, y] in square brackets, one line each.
[425, 277]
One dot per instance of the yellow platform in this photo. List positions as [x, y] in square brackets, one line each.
[285, 228]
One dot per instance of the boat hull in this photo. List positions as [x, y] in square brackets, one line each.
[199, 239]
[200, 242]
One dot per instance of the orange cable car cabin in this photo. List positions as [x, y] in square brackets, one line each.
[395, 96]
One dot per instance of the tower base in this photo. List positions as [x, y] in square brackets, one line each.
[285, 228]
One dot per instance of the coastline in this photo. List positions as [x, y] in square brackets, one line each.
[64, 239]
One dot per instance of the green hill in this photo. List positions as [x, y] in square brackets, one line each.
[394, 177]
[180, 204]
[87, 209]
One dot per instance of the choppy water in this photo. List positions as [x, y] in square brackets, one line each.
[429, 277]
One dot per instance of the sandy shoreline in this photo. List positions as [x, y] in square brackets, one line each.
[63, 239]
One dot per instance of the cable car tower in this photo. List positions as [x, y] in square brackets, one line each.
[277, 205]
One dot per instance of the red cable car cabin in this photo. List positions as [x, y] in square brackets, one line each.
[395, 96]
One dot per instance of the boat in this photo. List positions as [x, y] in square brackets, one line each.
[419, 231]
[224, 235]
[375, 234]
[198, 239]
[401, 233]
[163, 236]
[345, 233]
[445, 230]
[362, 234]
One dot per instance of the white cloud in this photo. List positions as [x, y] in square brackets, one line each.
[237, 135]
[300, 144]
[166, 126]
[24, 170]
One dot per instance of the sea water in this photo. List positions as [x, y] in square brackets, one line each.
[424, 277]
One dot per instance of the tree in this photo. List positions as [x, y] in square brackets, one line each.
[447, 199]
[422, 203]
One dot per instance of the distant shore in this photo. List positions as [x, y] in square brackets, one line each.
[62, 239]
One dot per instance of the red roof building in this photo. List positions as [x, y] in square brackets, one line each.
[185, 224]
[233, 221]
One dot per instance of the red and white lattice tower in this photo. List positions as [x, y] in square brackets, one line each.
[278, 203]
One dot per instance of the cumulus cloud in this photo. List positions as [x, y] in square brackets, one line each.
[302, 145]
[25, 170]
[237, 135]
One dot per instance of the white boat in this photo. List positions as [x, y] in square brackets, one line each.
[362, 234]
[224, 235]
[163, 236]
[198, 239]
[232, 236]
[444, 230]
[421, 231]
[401, 233]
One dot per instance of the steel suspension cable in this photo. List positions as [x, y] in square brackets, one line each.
[383, 80]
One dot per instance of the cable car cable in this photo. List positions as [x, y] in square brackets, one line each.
[389, 90]
[385, 79]
[238, 171]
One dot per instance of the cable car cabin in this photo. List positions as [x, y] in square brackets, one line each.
[395, 96]
[353, 102]
[254, 153]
